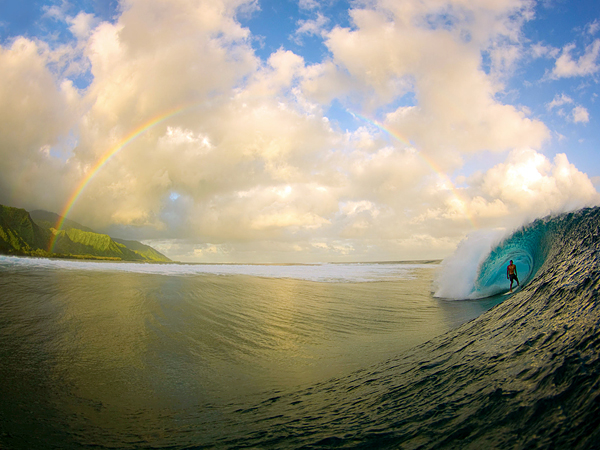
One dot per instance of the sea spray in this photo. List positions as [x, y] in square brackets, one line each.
[457, 278]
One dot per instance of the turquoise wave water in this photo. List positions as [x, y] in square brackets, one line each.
[527, 248]
[478, 267]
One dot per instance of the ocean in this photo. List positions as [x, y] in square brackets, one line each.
[408, 355]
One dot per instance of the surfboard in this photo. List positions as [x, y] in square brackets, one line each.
[516, 289]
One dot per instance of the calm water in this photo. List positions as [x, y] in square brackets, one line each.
[133, 355]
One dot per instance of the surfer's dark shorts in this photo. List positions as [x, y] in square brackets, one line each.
[514, 278]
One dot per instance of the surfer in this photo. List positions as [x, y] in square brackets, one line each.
[511, 274]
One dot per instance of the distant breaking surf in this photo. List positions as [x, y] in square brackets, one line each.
[319, 272]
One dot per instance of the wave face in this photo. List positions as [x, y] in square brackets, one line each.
[525, 374]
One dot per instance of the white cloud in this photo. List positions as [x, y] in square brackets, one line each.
[56, 12]
[454, 96]
[37, 112]
[529, 185]
[504, 58]
[593, 27]
[314, 27]
[580, 115]
[586, 64]
[308, 4]
[540, 50]
[82, 24]
[222, 156]
[559, 100]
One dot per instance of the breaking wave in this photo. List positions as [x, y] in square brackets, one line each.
[478, 267]
[320, 272]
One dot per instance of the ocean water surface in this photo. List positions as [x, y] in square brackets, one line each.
[120, 355]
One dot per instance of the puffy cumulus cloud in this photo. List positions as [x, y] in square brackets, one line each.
[580, 114]
[309, 27]
[160, 55]
[37, 109]
[236, 168]
[82, 24]
[539, 50]
[586, 64]
[218, 155]
[157, 58]
[325, 82]
[433, 49]
[593, 27]
[558, 101]
[529, 185]
[525, 186]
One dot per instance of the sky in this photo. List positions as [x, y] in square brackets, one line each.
[300, 130]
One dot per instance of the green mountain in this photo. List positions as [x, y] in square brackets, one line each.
[20, 235]
[47, 219]
[23, 233]
[145, 250]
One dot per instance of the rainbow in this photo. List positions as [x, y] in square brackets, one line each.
[101, 162]
[388, 131]
[440, 173]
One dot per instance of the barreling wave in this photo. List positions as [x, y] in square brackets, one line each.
[478, 268]
[528, 248]
[525, 374]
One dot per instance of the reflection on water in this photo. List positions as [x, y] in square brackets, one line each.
[115, 355]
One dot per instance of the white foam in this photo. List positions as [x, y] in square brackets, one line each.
[325, 272]
[456, 280]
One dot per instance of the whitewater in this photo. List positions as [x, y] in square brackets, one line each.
[374, 355]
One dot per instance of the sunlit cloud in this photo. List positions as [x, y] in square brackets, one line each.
[265, 159]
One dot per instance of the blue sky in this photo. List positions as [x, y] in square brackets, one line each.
[318, 130]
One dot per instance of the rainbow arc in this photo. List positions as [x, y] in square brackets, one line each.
[106, 156]
[143, 128]
[430, 162]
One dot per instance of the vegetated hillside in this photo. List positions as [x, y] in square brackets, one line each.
[47, 219]
[85, 243]
[20, 235]
[23, 233]
[146, 251]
